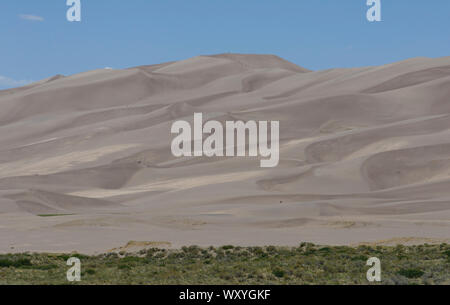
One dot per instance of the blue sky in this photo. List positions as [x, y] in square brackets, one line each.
[317, 34]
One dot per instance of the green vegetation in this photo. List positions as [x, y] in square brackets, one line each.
[305, 264]
[411, 273]
[15, 262]
[54, 215]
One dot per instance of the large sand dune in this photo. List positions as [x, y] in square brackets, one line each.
[365, 156]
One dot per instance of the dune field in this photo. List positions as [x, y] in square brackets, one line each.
[86, 162]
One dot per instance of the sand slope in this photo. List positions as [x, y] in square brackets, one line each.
[365, 156]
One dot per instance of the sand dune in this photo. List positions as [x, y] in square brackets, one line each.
[364, 156]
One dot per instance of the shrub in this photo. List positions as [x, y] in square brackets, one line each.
[46, 267]
[360, 258]
[133, 259]
[124, 267]
[411, 273]
[18, 263]
[278, 273]
[325, 250]
[65, 257]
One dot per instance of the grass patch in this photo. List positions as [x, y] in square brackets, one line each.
[54, 215]
[411, 273]
[278, 273]
[15, 262]
[305, 264]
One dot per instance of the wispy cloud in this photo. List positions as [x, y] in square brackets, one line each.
[31, 17]
[7, 82]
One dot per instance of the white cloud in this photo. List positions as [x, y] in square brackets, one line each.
[31, 17]
[6, 82]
